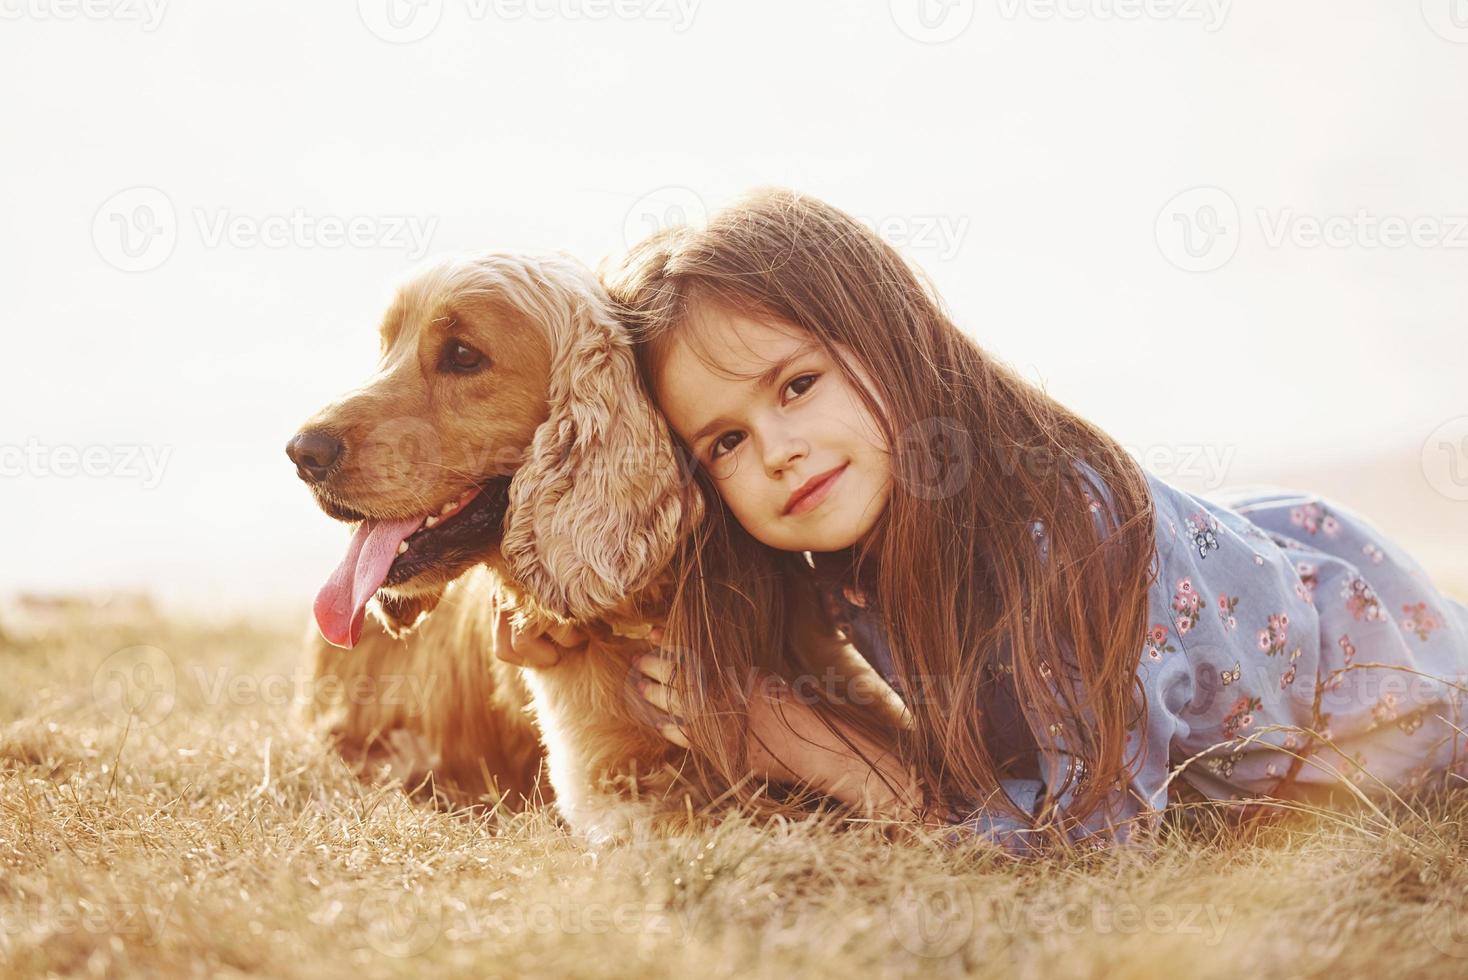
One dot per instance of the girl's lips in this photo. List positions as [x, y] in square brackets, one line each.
[815, 496]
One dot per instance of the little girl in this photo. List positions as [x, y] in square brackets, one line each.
[1076, 641]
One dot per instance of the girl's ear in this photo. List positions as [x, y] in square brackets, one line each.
[601, 501]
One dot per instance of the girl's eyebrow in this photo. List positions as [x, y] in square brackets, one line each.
[760, 383]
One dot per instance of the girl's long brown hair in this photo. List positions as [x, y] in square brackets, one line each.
[978, 455]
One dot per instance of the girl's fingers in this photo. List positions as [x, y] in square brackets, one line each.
[674, 734]
[567, 636]
[658, 688]
[526, 649]
[658, 667]
[533, 649]
[661, 696]
[511, 648]
[669, 728]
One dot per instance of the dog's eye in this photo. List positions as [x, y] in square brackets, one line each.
[459, 358]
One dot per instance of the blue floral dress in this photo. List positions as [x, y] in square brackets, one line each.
[1292, 648]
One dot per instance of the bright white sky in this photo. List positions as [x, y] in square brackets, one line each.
[1029, 163]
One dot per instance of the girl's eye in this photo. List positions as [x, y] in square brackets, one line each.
[717, 443]
[730, 447]
[459, 358]
[795, 381]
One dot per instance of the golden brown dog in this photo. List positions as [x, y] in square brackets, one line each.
[503, 460]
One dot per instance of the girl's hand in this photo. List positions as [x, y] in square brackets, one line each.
[524, 649]
[791, 743]
[656, 687]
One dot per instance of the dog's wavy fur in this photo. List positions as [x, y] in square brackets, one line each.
[597, 503]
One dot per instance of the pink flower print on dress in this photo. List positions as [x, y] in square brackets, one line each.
[1361, 600]
[1226, 606]
[1201, 526]
[1157, 644]
[1347, 648]
[1288, 677]
[1186, 603]
[1240, 716]
[1223, 765]
[1385, 710]
[1420, 620]
[1313, 517]
[1370, 550]
[1273, 637]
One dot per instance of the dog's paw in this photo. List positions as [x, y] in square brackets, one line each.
[605, 822]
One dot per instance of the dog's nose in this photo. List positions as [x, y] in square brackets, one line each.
[314, 453]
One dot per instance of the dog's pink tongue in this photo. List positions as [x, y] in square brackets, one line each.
[342, 602]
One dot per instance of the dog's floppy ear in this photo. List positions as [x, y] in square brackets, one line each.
[601, 500]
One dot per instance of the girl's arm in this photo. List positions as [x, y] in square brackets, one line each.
[799, 749]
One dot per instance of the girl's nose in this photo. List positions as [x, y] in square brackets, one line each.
[782, 450]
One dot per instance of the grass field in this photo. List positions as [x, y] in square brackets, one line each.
[207, 833]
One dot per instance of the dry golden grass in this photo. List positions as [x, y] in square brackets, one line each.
[208, 834]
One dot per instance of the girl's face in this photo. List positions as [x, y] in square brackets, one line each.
[768, 413]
